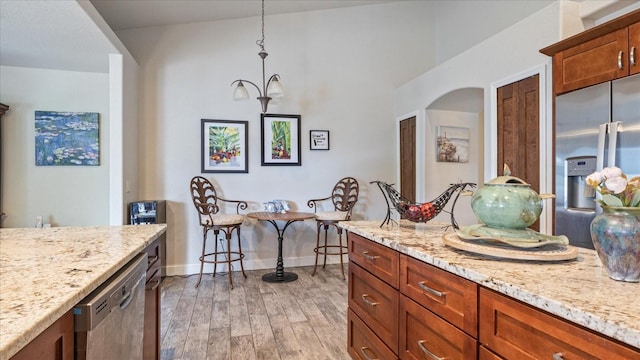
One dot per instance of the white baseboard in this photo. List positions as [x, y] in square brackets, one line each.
[194, 268]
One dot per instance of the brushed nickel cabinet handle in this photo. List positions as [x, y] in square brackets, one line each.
[632, 56]
[558, 356]
[365, 298]
[426, 351]
[363, 352]
[155, 286]
[369, 257]
[620, 53]
[430, 290]
[152, 259]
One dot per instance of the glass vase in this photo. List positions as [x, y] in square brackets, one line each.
[616, 237]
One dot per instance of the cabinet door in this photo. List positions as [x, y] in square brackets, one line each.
[449, 296]
[634, 49]
[55, 343]
[515, 330]
[151, 342]
[599, 60]
[424, 335]
[363, 344]
[376, 303]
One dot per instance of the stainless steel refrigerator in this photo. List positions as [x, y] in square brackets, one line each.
[596, 127]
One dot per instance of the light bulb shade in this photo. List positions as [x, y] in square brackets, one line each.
[240, 92]
[274, 89]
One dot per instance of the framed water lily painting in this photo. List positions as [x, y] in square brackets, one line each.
[67, 138]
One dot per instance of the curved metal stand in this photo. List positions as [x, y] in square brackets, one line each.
[280, 275]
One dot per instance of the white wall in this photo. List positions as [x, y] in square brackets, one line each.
[66, 195]
[338, 68]
[512, 51]
[440, 175]
[461, 24]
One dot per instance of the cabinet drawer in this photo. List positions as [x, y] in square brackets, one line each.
[363, 344]
[376, 303]
[449, 296]
[426, 336]
[153, 254]
[515, 330]
[375, 258]
[486, 354]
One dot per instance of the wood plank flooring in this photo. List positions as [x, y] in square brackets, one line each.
[304, 319]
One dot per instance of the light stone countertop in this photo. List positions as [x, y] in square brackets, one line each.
[45, 272]
[577, 290]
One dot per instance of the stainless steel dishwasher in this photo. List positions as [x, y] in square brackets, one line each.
[109, 322]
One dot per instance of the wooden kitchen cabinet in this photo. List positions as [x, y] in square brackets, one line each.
[451, 317]
[373, 300]
[423, 334]
[603, 53]
[634, 49]
[449, 296]
[514, 330]
[151, 344]
[375, 258]
[362, 342]
[55, 343]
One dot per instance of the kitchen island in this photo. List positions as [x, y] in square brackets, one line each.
[578, 291]
[45, 272]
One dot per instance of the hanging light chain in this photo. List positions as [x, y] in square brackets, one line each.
[261, 42]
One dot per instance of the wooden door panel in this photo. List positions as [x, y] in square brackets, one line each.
[408, 158]
[519, 131]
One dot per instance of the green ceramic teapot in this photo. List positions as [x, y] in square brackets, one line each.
[507, 202]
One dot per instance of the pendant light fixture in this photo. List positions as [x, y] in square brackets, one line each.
[270, 89]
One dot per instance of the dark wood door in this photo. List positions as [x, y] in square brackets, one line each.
[519, 131]
[408, 158]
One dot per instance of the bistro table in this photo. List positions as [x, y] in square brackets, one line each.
[272, 217]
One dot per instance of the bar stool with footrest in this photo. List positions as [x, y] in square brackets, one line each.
[343, 198]
[208, 204]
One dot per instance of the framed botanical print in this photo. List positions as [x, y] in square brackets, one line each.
[280, 140]
[224, 146]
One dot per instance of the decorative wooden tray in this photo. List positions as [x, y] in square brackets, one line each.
[553, 252]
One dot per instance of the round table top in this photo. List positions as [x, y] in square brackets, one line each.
[290, 215]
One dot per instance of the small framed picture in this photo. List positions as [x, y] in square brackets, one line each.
[224, 146]
[280, 140]
[452, 144]
[319, 139]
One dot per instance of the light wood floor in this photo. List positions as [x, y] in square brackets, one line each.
[304, 319]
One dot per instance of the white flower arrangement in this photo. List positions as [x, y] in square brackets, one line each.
[614, 187]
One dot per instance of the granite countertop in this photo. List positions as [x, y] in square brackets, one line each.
[577, 290]
[45, 272]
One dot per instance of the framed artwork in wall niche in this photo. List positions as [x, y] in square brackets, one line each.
[280, 140]
[224, 146]
[67, 138]
[319, 139]
[452, 144]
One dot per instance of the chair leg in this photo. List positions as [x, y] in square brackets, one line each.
[326, 230]
[240, 251]
[317, 248]
[204, 245]
[215, 254]
[340, 250]
[228, 234]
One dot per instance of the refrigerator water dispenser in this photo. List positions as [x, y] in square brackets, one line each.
[579, 195]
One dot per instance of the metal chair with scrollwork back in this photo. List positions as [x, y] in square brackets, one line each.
[343, 198]
[208, 204]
